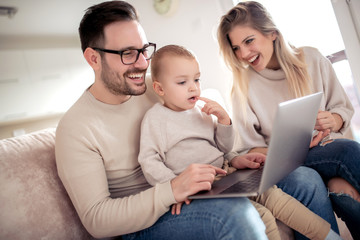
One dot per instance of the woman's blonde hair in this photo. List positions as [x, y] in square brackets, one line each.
[291, 59]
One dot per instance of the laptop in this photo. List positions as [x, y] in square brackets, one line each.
[289, 144]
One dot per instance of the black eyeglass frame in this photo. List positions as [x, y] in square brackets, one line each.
[141, 50]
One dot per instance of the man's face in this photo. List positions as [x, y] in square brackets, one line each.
[118, 78]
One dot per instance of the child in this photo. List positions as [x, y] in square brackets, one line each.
[178, 133]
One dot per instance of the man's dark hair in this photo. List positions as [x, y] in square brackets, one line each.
[97, 17]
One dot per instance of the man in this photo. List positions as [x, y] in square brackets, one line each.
[97, 144]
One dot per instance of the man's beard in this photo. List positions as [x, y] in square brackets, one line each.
[117, 84]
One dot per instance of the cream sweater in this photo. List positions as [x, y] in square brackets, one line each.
[97, 147]
[268, 88]
[170, 141]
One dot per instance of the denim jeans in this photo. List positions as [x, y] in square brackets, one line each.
[340, 158]
[236, 218]
[306, 185]
[227, 218]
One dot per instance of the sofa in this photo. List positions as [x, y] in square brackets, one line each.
[34, 203]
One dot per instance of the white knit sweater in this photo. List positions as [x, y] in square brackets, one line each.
[269, 87]
[170, 141]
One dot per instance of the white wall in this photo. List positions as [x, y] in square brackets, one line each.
[194, 26]
[38, 82]
[41, 76]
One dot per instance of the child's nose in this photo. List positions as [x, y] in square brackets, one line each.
[193, 87]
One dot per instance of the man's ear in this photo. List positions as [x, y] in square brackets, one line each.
[158, 88]
[93, 58]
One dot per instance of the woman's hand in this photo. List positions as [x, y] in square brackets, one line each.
[212, 107]
[319, 137]
[249, 160]
[195, 178]
[328, 121]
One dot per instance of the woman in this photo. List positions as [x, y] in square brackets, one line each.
[268, 71]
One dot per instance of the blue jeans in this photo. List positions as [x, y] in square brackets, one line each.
[236, 218]
[306, 185]
[227, 218]
[340, 158]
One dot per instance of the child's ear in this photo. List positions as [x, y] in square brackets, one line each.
[158, 88]
[93, 58]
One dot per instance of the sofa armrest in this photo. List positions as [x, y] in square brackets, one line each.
[34, 202]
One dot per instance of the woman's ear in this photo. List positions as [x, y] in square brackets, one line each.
[274, 35]
[93, 58]
[158, 88]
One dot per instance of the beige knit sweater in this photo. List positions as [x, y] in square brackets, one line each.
[171, 141]
[97, 148]
[269, 87]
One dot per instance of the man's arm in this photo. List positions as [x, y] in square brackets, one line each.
[83, 173]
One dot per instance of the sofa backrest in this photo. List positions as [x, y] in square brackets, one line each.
[34, 203]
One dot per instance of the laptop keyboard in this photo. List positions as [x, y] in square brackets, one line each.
[250, 184]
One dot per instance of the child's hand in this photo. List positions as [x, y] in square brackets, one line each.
[249, 160]
[176, 208]
[212, 107]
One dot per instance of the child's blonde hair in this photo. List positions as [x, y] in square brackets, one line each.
[168, 50]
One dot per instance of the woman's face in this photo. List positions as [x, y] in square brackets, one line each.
[254, 48]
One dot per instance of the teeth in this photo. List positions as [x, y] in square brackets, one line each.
[134, 75]
[253, 58]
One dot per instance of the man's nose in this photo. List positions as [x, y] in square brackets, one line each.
[141, 62]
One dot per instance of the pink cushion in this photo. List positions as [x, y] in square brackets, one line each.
[34, 203]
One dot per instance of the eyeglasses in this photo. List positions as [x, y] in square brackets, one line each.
[130, 56]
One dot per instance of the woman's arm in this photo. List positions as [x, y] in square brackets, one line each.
[338, 110]
[262, 150]
[249, 160]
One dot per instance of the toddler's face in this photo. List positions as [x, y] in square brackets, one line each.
[180, 82]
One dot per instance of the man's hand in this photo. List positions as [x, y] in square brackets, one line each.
[249, 160]
[176, 208]
[195, 178]
[212, 107]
